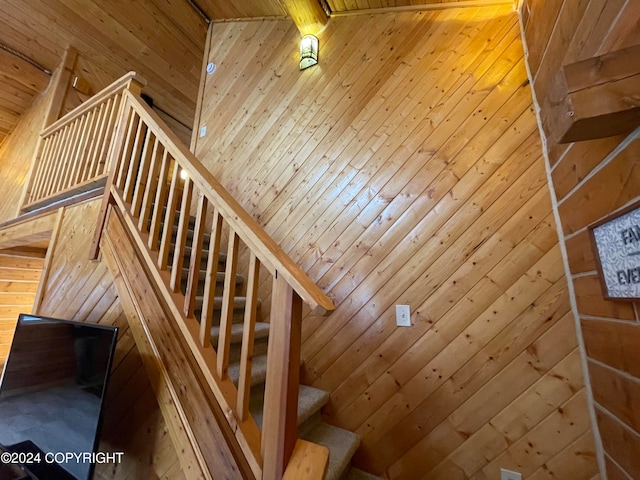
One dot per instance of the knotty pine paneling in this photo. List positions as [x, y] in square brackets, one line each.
[162, 41]
[407, 168]
[19, 277]
[351, 5]
[81, 290]
[591, 180]
[16, 154]
[21, 83]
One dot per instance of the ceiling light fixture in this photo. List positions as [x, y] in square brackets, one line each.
[309, 46]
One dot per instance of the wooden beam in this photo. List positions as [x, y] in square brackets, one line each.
[308, 15]
[595, 98]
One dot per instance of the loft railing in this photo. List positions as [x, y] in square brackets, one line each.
[174, 209]
[72, 154]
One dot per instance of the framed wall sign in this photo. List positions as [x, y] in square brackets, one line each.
[616, 241]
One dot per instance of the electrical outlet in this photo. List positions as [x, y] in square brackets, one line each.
[509, 475]
[403, 316]
[203, 131]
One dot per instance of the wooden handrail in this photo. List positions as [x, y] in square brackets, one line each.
[123, 83]
[266, 249]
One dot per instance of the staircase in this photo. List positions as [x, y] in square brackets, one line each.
[214, 303]
[341, 443]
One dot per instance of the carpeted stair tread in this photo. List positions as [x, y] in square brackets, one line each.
[261, 331]
[355, 474]
[222, 256]
[203, 275]
[238, 302]
[310, 401]
[342, 444]
[258, 370]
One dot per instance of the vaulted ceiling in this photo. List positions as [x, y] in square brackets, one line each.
[163, 40]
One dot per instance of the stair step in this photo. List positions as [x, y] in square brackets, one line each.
[310, 401]
[174, 233]
[355, 474]
[342, 444]
[261, 331]
[258, 370]
[203, 274]
[204, 256]
[238, 303]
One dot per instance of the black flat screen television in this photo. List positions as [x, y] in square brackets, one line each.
[51, 395]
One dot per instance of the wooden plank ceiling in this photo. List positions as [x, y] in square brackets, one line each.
[223, 9]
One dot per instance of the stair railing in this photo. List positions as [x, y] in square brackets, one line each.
[159, 186]
[72, 155]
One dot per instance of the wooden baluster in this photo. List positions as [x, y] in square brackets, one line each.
[46, 174]
[65, 160]
[181, 237]
[196, 255]
[248, 333]
[117, 153]
[228, 297]
[160, 198]
[52, 165]
[150, 188]
[134, 164]
[279, 424]
[43, 163]
[170, 215]
[211, 278]
[67, 178]
[78, 157]
[150, 146]
[106, 131]
[98, 115]
[54, 174]
[125, 159]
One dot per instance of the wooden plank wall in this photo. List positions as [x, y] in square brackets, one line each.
[407, 168]
[16, 154]
[19, 277]
[591, 180]
[80, 290]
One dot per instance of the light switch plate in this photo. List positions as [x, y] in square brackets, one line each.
[403, 316]
[509, 475]
[203, 131]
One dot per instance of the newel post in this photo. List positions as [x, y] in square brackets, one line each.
[133, 85]
[279, 430]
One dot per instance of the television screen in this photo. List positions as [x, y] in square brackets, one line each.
[51, 394]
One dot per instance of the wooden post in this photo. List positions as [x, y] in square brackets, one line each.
[114, 151]
[308, 15]
[279, 427]
[59, 82]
